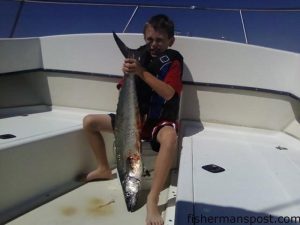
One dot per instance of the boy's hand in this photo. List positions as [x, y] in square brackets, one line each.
[133, 66]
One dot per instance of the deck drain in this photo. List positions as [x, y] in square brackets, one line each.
[7, 136]
[213, 168]
[281, 148]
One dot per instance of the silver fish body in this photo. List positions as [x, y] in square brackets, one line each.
[127, 142]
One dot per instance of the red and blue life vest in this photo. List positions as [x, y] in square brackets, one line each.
[150, 103]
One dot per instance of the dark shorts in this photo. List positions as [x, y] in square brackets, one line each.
[150, 130]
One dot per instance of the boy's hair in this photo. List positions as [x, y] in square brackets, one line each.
[161, 22]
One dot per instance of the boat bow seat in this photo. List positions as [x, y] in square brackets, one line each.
[43, 152]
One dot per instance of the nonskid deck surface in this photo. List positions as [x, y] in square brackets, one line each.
[261, 177]
[262, 170]
[95, 203]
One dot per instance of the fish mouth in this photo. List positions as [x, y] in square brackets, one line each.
[131, 201]
[131, 188]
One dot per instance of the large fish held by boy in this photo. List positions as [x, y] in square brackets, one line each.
[127, 132]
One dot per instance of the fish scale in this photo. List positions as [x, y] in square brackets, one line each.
[127, 131]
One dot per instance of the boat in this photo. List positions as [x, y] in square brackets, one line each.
[239, 141]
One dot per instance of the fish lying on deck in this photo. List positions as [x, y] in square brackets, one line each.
[127, 133]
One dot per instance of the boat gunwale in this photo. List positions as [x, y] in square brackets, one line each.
[192, 83]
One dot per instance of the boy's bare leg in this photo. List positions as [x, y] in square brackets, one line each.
[92, 125]
[167, 138]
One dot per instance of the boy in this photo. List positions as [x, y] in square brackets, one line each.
[158, 83]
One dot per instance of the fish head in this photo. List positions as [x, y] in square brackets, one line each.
[132, 187]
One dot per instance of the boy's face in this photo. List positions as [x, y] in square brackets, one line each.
[158, 40]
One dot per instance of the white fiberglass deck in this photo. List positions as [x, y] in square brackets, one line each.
[95, 203]
[259, 178]
[45, 157]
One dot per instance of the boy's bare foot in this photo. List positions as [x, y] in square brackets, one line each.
[99, 174]
[153, 213]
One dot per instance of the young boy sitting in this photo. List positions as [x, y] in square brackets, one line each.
[158, 83]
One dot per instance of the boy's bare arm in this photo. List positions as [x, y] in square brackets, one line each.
[160, 87]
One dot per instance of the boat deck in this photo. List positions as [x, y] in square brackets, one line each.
[262, 170]
[94, 203]
[261, 177]
[49, 185]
